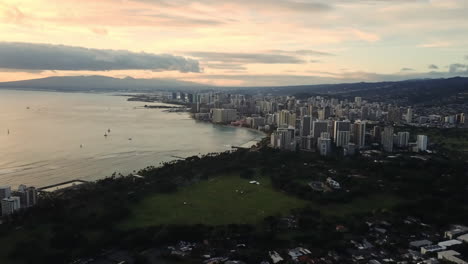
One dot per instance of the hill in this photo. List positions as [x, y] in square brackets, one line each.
[101, 83]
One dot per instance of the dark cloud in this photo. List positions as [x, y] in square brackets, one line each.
[245, 58]
[433, 67]
[406, 69]
[29, 56]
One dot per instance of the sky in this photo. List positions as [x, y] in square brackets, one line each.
[235, 42]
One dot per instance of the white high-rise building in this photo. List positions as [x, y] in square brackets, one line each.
[223, 116]
[10, 205]
[422, 142]
[287, 119]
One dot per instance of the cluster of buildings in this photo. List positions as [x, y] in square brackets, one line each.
[12, 201]
[321, 124]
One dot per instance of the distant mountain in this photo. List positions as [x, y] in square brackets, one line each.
[416, 91]
[101, 84]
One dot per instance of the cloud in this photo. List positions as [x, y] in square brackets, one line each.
[100, 31]
[303, 52]
[29, 56]
[433, 67]
[406, 69]
[458, 68]
[440, 44]
[245, 58]
[322, 77]
[226, 66]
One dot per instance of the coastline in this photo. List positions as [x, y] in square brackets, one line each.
[258, 139]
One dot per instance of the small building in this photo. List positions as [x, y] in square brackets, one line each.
[275, 257]
[332, 183]
[10, 205]
[450, 243]
[456, 230]
[420, 243]
[432, 249]
[451, 256]
[463, 238]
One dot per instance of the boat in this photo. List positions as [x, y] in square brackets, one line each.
[129, 138]
[105, 134]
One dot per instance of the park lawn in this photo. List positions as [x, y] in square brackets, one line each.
[222, 200]
[232, 200]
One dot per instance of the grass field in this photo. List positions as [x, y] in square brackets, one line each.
[233, 200]
[222, 200]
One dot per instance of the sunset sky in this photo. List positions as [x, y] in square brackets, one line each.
[235, 42]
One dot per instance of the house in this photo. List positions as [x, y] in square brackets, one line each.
[450, 243]
[332, 183]
[275, 257]
[420, 243]
[456, 230]
[432, 249]
[451, 256]
[298, 252]
[463, 238]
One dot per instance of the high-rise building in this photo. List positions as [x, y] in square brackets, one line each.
[5, 192]
[28, 196]
[324, 113]
[409, 115]
[318, 127]
[305, 126]
[286, 119]
[387, 139]
[324, 144]
[284, 139]
[359, 134]
[377, 133]
[422, 142]
[358, 101]
[403, 139]
[10, 205]
[224, 116]
[394, 115]
[342, 138]
[341, 126]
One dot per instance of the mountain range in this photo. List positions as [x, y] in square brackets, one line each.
[409, 91]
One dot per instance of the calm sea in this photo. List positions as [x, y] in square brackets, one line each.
[49, 137]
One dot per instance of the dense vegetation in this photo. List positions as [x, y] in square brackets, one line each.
[140, 213]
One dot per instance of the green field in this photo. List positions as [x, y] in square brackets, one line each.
[233, 200]
[222, 200]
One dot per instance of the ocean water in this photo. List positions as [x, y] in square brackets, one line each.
[52, 137]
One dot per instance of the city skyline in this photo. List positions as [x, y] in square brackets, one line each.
[235, 43]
